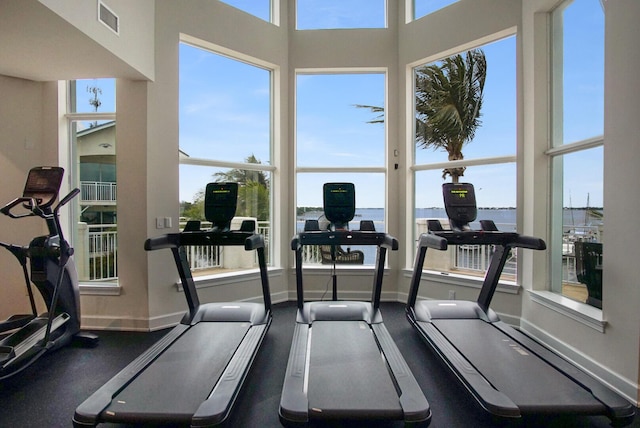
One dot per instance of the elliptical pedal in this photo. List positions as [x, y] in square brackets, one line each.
[39, 335]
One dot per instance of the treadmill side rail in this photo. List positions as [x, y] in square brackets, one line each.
[413, 402]
[620, 410]
[88, 413]
[487, 396]
[215, 409]
[294, 405]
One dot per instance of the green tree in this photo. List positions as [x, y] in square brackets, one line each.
[193, 210]
[448, 103]
[253, 193]
[243, 176]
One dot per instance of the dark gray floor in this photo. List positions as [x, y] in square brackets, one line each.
[47, 393]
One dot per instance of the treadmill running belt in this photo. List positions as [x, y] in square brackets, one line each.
[527, 380]
[347, 374]
[182, 377]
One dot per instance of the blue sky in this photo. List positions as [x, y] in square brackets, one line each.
[224, 108]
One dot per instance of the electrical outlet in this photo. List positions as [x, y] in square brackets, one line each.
[167, 222]
[159, 223]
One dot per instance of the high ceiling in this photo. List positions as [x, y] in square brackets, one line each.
[37, 44]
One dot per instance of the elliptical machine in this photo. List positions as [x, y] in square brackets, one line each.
[53, 272]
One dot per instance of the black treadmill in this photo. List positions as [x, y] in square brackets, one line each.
[343, 363]
[193, 375]
[506, 371]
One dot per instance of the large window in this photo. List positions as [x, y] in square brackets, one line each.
[340, 137]
[479, 149]
[338, 14]
[576, 154]
[225, 135]
[93, 170]
[259, 8]
[422, 8]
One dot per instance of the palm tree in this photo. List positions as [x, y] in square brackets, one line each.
[253, 191]
[253, 194]
[244, 176]
[448, 102]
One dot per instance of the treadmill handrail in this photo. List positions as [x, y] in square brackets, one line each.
[481, 237]
[382, 240]
[503, 241]
[176, 243]
[250, 240]
[344, 237]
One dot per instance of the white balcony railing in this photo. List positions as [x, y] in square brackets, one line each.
[96, 252]
[98, 191]
[96, 255]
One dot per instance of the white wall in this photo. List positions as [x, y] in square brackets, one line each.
[612, 354]
[134, 43]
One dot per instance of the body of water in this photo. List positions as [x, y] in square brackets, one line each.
[504, 218]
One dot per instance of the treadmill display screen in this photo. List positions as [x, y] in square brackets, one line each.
[220, 203]
[460, 202]
[339, 202]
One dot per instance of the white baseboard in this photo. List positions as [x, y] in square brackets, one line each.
[625, 387]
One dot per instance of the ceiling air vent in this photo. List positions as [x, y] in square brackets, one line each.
[108, 17]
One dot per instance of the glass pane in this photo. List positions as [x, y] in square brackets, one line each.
[425, 7]
[370, 197]
[93, 95]
[224, 107]
[253, 203]
[334, 14]
[495, 188]
[331, 128]
[95, 236]
[582, 70]
[258, 8]
[495, 133]
[582, 221]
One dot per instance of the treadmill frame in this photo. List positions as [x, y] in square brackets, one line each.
[618, 409]
[215, 408]
[294, 404]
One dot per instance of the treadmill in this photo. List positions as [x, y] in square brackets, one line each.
[192, 375]
[506, 371]
[343, 364]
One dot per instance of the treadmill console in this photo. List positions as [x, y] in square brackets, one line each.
[43, 185]
[220, 203]
[339, 203]
[460, 204]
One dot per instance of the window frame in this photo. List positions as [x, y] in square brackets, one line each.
[555, 156]
[269, 167]
[385, 24]
[381, 169]
[452, 277]
[69, 155]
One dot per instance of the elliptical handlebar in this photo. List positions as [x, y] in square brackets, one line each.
[34, 208]
[6, 210]
[72, 194]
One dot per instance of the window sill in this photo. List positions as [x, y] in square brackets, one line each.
[100, 289]
[581, 312]
[226, 278]
[448, 278]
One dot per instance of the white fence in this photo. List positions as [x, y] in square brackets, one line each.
[97, 252]
[98, 191]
